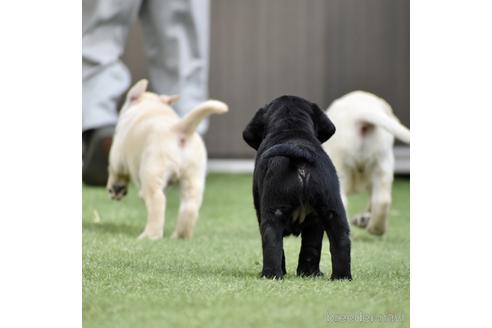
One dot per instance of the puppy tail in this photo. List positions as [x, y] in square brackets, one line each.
[189, 123]
[291, 151]
[388, 122]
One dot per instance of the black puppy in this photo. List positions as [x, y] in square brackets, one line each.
[295, 187]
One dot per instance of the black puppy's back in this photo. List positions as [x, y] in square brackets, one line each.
[293, 177]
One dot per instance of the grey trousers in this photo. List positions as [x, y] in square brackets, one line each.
[176, 40]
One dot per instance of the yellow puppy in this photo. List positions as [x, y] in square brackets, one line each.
[153, 146]
[362, 152]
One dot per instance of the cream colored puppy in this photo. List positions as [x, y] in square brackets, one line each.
[153, 147]
[362, 152]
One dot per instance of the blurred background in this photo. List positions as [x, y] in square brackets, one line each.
[316, 49]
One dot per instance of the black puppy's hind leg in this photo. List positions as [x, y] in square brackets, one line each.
[338, 232]
[310, 254]
[271, 229]
[284, 270]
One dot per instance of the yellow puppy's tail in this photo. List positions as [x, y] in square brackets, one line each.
[190, 122]
[389, 122]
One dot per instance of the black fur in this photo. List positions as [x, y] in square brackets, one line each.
[292, 172]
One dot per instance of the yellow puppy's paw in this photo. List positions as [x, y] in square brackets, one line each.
[361, 220]
[118, 190]
[177, 235]
[150, 235]
[376, 230]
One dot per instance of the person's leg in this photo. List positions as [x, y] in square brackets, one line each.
[176, 35]
[105, 27]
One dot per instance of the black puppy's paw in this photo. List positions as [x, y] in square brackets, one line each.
[308, 270]
[342, 276]
[310, 274]
[270, 274]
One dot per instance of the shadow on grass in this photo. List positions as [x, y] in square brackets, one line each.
[366, 238]
[223, 271]
[188, 270]
[113, 228]
[247, 273]
[193, 270]
[361, 235]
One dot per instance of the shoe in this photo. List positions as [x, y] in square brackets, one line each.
[95, 162]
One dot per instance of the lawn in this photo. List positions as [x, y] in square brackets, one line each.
[212, 280]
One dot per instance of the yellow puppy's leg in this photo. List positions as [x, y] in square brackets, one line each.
[191, 201]
[380, 205]
[155, 202]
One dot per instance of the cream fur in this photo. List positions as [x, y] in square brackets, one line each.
[154, 147]
[362, 152]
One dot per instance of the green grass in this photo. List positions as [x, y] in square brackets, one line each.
[212, 280]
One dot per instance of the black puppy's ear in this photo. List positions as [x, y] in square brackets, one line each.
[255, 130]
[323, 126]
